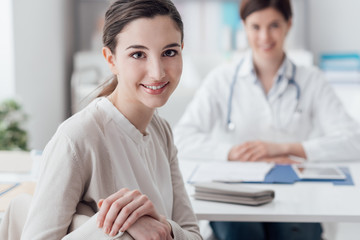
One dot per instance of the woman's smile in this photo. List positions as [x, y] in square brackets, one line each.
[155, 88]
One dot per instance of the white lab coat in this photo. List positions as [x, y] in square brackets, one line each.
[322, 125]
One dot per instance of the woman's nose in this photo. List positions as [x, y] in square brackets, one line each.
[264, 35]
[156, 69]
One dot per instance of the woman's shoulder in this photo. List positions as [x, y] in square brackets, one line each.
[87, 122]
[310, 70]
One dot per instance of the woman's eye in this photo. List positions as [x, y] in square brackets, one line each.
[274, 25]
[255, 27]
[138, 55]
[170, 53]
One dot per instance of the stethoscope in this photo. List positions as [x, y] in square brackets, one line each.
[230, 123]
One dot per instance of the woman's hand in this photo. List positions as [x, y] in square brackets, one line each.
[122, 209]
[260, 151]
[148, 228]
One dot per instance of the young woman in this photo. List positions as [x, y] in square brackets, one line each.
[265, 108]
[116, 157]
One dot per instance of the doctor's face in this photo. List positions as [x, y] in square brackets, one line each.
[266, 31]
[147, 61]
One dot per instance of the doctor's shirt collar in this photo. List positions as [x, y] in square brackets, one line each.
[247, 67]
[248, 70]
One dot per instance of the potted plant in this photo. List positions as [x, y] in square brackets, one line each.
[12, 118]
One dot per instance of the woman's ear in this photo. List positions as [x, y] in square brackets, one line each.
[110, 59]
[182, 46]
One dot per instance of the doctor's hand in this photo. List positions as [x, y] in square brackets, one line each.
[260, 151]
[122, 209]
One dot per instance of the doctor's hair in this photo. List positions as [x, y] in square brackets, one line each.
[247, 7]
[121, 13]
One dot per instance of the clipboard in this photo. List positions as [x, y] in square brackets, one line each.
[285, 174]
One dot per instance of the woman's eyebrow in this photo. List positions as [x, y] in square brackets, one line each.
[143, 47]
[276, 21]
[137, 47]
[172, 45]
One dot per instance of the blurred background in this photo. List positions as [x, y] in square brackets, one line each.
[51, 52]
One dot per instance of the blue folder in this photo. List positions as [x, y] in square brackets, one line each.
[285, 174]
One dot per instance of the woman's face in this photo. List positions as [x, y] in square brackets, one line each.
[147, 61]
[266, 31]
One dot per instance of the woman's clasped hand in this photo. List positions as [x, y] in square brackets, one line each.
[132, 211]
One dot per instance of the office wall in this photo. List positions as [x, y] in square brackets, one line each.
[7, 88]
[42, 39]
[333, 26]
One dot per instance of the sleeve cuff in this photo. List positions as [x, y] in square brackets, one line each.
[178, 232]
[88, 230]
[311, 149]
[224, 150]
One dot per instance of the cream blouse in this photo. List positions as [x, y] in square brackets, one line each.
[94, 154]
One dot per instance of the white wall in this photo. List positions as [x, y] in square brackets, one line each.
[334, 26]
[41, 55]
[296, 38]
[7, 84]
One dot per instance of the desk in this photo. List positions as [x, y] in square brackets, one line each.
[299, 202]
[22, 168]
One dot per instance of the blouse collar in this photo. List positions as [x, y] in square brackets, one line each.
[113, 114]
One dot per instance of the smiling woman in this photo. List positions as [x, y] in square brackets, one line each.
[153, 66]
[116, 158]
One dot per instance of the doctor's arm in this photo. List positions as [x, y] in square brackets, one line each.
[340, 139]
[266, 151]
[193, 134]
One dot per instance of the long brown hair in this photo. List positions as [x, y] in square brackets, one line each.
[247, 7]
[121, 13]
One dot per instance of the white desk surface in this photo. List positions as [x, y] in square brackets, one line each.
[299, 202]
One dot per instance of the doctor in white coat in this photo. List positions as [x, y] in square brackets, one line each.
[265, 108]
[237, 116]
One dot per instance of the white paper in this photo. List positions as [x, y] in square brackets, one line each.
[231, 172]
